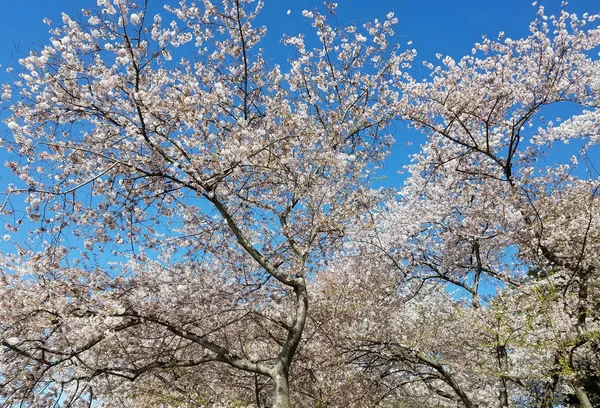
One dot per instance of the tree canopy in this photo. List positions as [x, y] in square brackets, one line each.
[204, 228]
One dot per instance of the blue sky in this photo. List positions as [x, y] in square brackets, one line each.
[444, 26]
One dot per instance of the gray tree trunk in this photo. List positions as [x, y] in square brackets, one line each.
[281, 390]
[582, 397]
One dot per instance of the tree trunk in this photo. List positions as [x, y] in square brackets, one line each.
[281, 390]
[582, 397]
[449, 379]
[503, 364]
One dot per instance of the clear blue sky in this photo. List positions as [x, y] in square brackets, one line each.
[445, 26]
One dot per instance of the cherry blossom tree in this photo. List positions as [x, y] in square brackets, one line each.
[182, 191]
[187, 200]
[494, 214]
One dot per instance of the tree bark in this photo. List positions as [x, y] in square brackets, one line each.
[448, 378]
[582, 397]
[281, 391]
[280, 373]
[503, 365]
